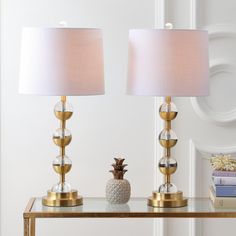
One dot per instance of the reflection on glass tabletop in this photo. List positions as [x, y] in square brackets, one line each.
[136, 207]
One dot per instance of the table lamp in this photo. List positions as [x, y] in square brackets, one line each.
[167, 63]
[61, 62]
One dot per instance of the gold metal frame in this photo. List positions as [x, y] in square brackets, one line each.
[92, 211]
[204, 210]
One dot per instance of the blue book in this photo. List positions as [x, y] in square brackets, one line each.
[225, 190]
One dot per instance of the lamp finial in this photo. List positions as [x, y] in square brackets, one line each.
[169, 25]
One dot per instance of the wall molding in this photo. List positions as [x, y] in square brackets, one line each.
[203, 111]
[159, 226]
[1, 55]
[160, 13]
[218, 31]
[199, 104]
[193, 14]
[195, 225]
[216, 66]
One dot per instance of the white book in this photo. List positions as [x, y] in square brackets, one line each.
[220, 180]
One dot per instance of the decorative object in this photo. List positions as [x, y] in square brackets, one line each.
[222, 192]
[223, 162]
[117, 207]
[61, 62]
[118, 189]
[168, 62]
[222, 202]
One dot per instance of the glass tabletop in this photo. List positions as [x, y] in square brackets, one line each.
[136, 207]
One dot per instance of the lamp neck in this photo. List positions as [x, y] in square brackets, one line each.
[63, 99]
[168, 99]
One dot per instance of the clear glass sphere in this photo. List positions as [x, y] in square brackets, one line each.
[61, 133]
[63, 106]
[61, 188]
[168, 111]
[167, 188]
[62, 165]
[63, 110]
[168, 107]
[168, 138]
[62, 137]
[167, 165]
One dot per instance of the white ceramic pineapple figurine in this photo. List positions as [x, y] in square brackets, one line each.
[118, 189]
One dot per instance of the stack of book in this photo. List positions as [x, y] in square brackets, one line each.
[223, 189]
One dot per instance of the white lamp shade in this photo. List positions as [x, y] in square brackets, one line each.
[61, 61]
[166, 62]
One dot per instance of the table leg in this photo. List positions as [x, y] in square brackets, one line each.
[32, 226]
[26, 227]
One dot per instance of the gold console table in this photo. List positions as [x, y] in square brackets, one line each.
[135, 208]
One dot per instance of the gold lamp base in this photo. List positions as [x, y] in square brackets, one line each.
[68, 199]
[167, 200]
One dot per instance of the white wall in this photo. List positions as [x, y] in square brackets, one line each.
[115, 124]
[103, 127]
[208, 122]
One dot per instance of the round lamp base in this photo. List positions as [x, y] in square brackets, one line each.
[167, 200]
[67, 199]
